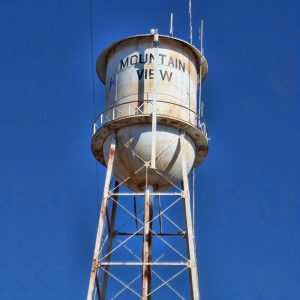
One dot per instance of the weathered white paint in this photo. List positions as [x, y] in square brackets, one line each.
[129, 69]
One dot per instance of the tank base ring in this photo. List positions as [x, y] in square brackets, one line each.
[200, 140]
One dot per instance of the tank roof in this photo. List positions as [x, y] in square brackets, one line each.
[102, 59]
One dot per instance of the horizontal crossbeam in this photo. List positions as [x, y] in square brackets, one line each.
[182, 233]
[143, 194]
[140, 263]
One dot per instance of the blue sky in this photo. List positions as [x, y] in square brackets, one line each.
[248, 202]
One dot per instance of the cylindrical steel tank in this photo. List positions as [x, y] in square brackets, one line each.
[137, 75]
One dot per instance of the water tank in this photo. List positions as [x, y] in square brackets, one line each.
[139, 75]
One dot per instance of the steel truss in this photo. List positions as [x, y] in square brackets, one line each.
[124, 257]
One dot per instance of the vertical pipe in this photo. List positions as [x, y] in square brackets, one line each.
[147, 244]
[154, 103]
[101, 219]
[189, 226]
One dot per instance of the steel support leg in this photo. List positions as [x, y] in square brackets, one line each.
[101, 219]
[189, 226]
[147, 244]
[110, 240]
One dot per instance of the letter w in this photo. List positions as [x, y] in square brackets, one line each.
[165, 74]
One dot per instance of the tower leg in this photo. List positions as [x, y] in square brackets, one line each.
[110, 240]
[189, 226]
[102, 217]
[147, 244]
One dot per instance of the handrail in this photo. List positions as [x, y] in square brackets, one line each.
[148, 101]
[110, 114]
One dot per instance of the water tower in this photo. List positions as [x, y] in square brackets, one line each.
[149, 137]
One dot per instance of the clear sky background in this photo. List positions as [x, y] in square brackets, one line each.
[248, 204]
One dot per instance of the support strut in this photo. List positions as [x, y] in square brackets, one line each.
[189, 226]
[102, 218]
[147, 244]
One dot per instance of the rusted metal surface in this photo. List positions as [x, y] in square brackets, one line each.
[147, 244]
